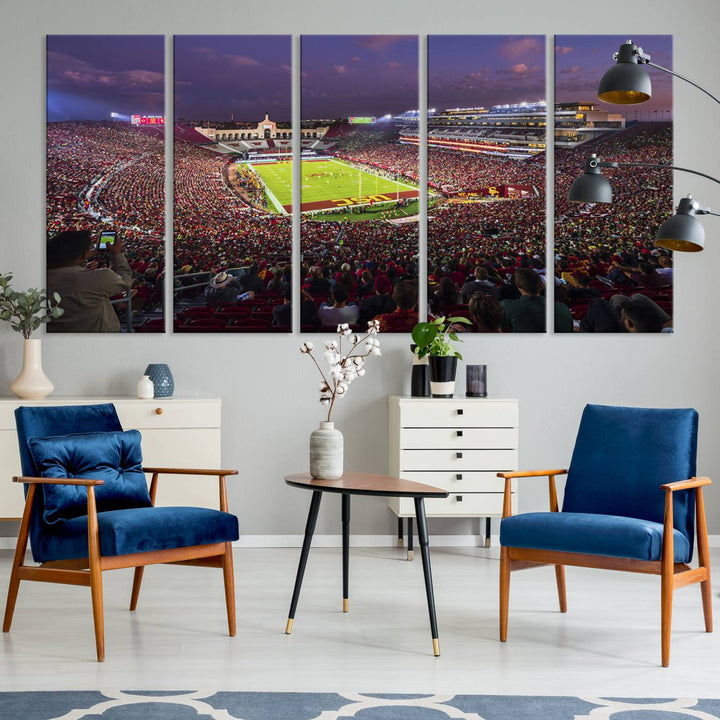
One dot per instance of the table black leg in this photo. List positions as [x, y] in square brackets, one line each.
[400, 532]
[309, 530]
[487, 532]
[346, 548]
[410, 551]
[425, 553]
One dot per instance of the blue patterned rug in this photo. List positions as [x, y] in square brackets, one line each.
[188, 705]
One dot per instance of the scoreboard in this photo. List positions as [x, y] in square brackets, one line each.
[361, 120]
[147, 119]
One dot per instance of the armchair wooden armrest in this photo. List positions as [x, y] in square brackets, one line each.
[187, 471]
[695, 482]
[57, 481]
[509, 476]
[220, 474]
[531, 473]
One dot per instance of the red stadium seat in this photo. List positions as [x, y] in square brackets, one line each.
[232, 311]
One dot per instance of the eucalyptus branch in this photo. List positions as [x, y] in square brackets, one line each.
[26, 311]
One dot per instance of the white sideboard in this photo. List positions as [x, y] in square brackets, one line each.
[180, 432]
[458, 444]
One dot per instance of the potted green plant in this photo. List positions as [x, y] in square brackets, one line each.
[26, 311]
[435, 339]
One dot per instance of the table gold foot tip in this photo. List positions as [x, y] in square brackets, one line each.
[346, 605]
[436, 647]
[288, 627]
[411, 554]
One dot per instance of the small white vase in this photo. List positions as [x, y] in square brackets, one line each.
[145, 388]
[32, 383]
[326, 452]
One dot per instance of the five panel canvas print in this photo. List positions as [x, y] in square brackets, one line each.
[362, 201]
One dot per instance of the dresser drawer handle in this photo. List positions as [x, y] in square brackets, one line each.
[460, 411]
[158, 411]
[458, 456]
[458, 476]
[458, 498]
[459, 433]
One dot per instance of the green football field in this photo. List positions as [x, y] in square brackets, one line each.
[328, 184]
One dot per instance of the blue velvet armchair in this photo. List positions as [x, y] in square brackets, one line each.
[88, 509]
[631, 503]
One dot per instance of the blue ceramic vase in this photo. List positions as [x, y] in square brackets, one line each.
[162, 379]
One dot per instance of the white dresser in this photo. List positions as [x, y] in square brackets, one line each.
[176, 432]
[458, 444]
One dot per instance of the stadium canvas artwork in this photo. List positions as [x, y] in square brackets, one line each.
[487, 118]
[232, 183]
[106, 181]
[360, 181]
[608, 271]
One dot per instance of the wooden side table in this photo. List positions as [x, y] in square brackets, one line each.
[360, 483]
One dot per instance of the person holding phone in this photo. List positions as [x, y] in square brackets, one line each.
[85, 294]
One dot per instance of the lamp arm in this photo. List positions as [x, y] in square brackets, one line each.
[612, 164]
[682, 77]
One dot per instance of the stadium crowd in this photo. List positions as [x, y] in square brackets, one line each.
[111, 173]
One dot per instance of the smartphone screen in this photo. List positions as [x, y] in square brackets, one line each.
[107, 237]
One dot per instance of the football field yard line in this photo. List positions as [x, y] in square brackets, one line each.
[271, 195]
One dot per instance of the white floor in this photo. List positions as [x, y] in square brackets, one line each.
[607, 644]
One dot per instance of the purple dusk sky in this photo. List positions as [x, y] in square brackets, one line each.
[485, 70]
[90, 76]
[581, 61]
[240, 76]
[345, 75]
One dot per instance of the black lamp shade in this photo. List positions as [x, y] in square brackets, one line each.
[681, 232]
[625, 83]
[590, 187]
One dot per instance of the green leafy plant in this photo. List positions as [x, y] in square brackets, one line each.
[436, 337]
[26, 311]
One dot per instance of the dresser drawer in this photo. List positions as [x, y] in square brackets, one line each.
[168, 413]
[454, 505]
[458, 413]
[459, 482]
[457, 460]
[459, 438]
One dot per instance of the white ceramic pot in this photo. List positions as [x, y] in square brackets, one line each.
[32, 383]
[145, 388]
[326, 452]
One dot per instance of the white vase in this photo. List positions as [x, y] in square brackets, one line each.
[145, 388]
[326, 452]
[32, 383]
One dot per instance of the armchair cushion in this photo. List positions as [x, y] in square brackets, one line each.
[592, 534]
[137, 530]
[114, 457]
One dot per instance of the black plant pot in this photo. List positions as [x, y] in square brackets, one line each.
[442, 375]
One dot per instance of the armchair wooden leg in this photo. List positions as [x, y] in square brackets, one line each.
[666, 599]
[704, 559]
[504, 591]
[96, 587]
[137, 581]
[98, 619]
[18, 560]
[229, 578]
[560, 580]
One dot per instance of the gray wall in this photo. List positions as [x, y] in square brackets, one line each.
[268, 387]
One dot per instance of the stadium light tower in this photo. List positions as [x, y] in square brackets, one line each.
[681, 232]
[627, 82]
